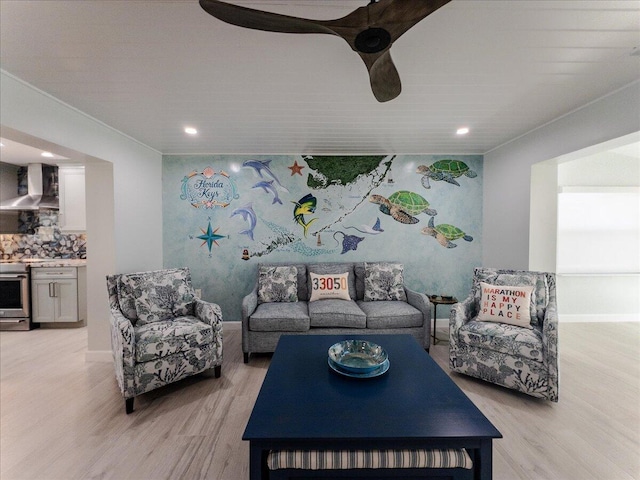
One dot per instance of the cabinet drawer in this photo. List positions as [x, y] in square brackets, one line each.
[53, 273]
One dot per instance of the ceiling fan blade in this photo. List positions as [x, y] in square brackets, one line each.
[260, 20]
[383, 76]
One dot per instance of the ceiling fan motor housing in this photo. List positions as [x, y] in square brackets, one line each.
[373, 40]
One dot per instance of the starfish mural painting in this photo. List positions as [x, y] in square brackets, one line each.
[295, 168]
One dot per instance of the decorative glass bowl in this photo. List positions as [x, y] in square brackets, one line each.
[357, 356]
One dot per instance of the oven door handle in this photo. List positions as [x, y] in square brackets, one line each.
[13, 275]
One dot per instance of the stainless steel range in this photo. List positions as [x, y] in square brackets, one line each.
[15, 296]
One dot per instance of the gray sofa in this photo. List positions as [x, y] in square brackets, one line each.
[366, 311]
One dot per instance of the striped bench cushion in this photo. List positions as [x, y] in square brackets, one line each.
[348, 459]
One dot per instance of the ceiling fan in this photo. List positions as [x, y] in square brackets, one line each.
[370, 31]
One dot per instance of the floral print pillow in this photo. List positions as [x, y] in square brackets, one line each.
[162, 294]
[384, 281]
[277, 284]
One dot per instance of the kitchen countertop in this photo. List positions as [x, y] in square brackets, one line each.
[54, 262]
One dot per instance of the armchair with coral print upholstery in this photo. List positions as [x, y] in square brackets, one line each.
[523, 358]
[160, 331]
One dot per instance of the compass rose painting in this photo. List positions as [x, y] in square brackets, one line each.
[210, 236]
[208, 189]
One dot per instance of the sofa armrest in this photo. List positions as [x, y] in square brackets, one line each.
[461, 313]
[249, 305]
[550, 333]
[123, 346]
[421, 302]
[122, 339]
[209, 313]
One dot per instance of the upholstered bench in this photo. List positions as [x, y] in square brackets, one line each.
[450, 464]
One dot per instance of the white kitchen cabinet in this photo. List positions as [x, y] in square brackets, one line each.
[56, 295]
[73, 210]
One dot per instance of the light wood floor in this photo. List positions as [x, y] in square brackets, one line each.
[63, 418]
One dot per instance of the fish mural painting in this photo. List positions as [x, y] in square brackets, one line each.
[305, 206]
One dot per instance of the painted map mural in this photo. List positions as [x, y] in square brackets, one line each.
[224, 214]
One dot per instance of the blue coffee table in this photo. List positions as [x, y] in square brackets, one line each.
[304, 404]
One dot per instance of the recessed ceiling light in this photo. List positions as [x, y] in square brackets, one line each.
[190, 131]
[47, 154]
[462, 131]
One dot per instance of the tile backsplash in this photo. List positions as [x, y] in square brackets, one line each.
[49, 242]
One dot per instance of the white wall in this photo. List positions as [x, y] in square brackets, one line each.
[135, 187]
[507, 170]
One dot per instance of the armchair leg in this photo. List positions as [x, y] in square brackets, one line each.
[128, 405]
[246, 357]
[217, 371]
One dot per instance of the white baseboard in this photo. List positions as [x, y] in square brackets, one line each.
[104, 356]
[232, 325]
[597, 318]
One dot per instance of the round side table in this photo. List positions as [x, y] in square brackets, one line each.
[439, 300]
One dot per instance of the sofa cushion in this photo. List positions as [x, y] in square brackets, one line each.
[162, 338]
[325, 268]
[277, 284]
[384, 281]
[331, 285]
[280, 317]
[162, 294]
[336, 313]
[391, 314]
[504, 338]
[505, 304]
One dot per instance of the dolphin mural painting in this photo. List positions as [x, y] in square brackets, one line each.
[263, 165]
[248, 215]
[268, 187]
[305, 206]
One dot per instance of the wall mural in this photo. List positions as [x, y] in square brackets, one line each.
[224, 214]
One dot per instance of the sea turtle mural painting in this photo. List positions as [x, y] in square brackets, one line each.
[403, 205]
[444, 170]
[445, 234]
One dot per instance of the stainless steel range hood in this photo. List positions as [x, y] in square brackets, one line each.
[35, 198]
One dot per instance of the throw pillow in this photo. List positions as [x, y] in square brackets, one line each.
[333, 285]
[384, 281]
[277, 284]
[162, 294]
[505, 304]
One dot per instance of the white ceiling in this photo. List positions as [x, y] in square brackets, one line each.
[150, 68]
